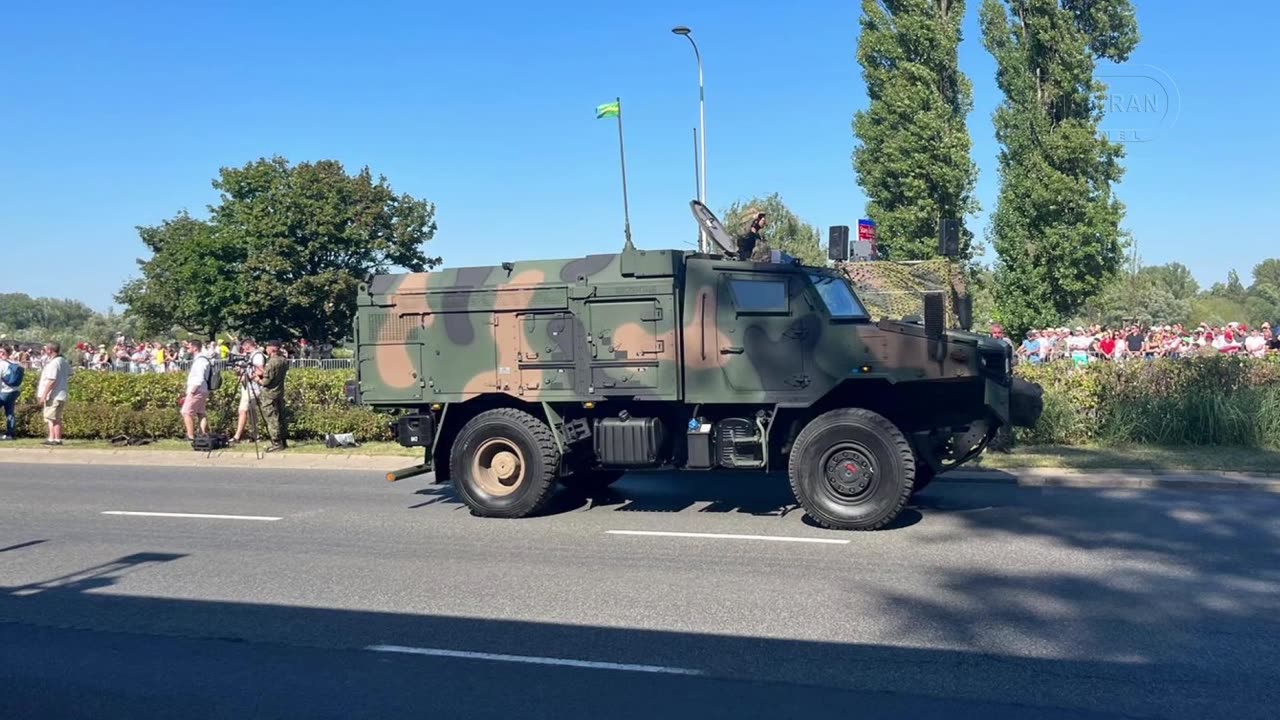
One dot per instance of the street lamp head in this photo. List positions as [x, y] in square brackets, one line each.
[681, 30]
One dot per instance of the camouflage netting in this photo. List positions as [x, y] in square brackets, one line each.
[896, 289]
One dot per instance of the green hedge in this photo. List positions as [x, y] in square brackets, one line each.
[1214, 400]
[102, 405]
[1207, 400]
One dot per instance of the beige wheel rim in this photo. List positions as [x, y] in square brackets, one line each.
[498, 467]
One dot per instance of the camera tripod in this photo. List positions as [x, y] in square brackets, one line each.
[255, 404]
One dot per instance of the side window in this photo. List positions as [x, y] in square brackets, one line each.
[762, 295]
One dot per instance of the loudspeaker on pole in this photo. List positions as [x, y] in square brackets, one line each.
[949, 238]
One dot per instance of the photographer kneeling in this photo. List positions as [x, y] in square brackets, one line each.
[271, 377]
[250, 389]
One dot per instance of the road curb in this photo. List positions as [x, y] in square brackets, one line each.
[220, 458]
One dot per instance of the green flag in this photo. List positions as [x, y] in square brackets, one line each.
[607, 110]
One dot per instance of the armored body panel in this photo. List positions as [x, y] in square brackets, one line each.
[549, 330]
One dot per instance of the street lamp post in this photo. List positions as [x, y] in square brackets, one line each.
[702, 124]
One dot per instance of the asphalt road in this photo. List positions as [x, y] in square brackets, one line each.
[338, 595]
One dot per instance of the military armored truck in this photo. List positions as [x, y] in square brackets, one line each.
[525, 375]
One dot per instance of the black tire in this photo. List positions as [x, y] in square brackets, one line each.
[517, 485]
[870, 496]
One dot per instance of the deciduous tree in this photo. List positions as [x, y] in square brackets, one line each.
[913, 156]
[282, 254]
[1056, 225]
[192, 279]
[785, 230]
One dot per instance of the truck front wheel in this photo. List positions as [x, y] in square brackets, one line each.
[503, 464]
[852, 469]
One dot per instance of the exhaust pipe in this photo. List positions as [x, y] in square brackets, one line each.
[408, 472]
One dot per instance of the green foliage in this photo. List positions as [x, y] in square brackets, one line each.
[1266, 274]
[982, 288]
[1209, 400]
[37, 320]
[1140, 296]
[1056, 226]
[913, 155]
[1216, 310]
[19, 311]
[102, 405]
[281, 254]
[1232, 289]
[785, 230]
[1175, 278]
[191, 281]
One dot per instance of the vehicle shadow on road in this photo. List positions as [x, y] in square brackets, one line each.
[756, 494]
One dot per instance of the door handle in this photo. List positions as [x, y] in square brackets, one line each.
[731, 350]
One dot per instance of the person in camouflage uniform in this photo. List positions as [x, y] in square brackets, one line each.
[271, 376]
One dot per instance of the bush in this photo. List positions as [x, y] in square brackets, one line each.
[1212, 400]
[1208, 400]
[102, 405]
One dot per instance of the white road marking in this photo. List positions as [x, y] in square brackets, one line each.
[191, 515]
[532, 660]
[723, 536]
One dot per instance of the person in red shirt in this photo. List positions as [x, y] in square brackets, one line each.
[1108, 345]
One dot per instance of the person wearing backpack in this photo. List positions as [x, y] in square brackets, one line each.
[11, 374]
[202, 379]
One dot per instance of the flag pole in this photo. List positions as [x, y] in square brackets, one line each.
[622, 154]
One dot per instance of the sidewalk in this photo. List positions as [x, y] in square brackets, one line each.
[1023, 477]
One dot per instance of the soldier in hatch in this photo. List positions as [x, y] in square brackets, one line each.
[751, 244]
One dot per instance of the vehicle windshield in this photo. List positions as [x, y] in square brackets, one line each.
[838, 297]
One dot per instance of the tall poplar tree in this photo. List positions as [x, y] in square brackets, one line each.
[913, 157]
[1056, 226]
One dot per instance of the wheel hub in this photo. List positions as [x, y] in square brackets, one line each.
[498, 467]
[504, 465]
[849, 472]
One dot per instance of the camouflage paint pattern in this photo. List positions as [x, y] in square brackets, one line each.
[663, 325]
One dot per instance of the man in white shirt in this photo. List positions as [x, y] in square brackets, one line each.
[250, 389]
[195, 405]
[52, 391]
[1255, 345]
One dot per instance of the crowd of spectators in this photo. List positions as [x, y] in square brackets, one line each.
[1097, 343]
[132, 356]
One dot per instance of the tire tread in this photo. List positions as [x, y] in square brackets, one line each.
[900, 443]
[545, 447]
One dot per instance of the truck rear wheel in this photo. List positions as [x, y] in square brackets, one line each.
[852, 469]
[503, 464]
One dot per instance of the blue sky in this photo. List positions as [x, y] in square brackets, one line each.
[120, 114]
